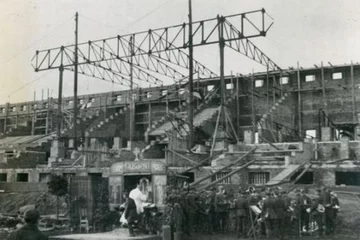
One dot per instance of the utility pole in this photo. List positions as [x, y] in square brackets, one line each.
[191, 82]
[59, 119]
[76, 81]
[132, 100]
[222, 75]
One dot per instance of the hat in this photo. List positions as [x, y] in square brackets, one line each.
[31, 215]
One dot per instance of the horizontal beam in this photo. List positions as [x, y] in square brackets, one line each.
[165, 43]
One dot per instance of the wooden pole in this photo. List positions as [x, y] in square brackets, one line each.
[230, 174]
[76, 80]
[353, 99]
[215, 132]
[323, 92]
[299, 100]
[190, 119]
[267, 87]
[223, 168]
[34, 116]
[237, 106]
[253, 107]
[132, 100]
[59, 110]
[47, 113]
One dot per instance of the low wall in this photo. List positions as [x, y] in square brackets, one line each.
[23, 187]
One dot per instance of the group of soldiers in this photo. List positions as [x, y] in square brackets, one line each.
[251, 212]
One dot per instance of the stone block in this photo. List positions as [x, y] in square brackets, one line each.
[71, 143]
[344, 148]
[248, 137]
[326, 134]
[57, 149]
[357, 133]
[117, 143]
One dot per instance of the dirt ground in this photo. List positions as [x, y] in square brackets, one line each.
[11, 202]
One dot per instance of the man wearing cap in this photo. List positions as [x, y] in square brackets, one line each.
[30, 230]
[242, 210]
[318, 211]
[268, 213]
[280, 210]
[222, 208]
[303, 203]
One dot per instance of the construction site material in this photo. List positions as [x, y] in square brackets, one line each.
[223, 168]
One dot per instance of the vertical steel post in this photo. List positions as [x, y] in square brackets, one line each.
[76, 81]
[353, 100]
[191, 82]
[299, 100]
[34, 116]
[59, 110]
[47, 113]
[323, 93]
[222, 77]
[132, 100]
[237, 106]
[253, 107]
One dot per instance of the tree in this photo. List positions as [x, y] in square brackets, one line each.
[57, 186]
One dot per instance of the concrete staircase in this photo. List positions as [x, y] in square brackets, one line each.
[160, 127]
[203, 113]
[264, 119]
[93, 121]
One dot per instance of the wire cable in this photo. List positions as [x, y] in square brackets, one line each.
[132, 23]
[27, 84]
[35, 42]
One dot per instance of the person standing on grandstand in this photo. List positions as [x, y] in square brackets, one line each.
[269, 214]
[186, 211]
[318, 211]
[192, 209]
[222, 208]
[303, 203]
[329, 212]
[242, 212]
[336, 206]
[212, 211]
[280, 210]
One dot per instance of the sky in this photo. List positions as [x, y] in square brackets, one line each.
[304, 31]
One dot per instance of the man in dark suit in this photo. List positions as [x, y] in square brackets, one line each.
[318, 211]
[280, 211]
[269, 214]
[131, 214]
[242, 212]
[29, 231]
[304, 202]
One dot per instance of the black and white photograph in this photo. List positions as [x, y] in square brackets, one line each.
[179, 119]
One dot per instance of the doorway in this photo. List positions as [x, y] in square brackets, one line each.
[131, 181]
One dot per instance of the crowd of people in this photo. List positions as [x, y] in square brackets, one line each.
[251, 212]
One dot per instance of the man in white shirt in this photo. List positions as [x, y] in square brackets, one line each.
[139, 196]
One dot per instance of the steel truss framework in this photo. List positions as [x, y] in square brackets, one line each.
[159, 51]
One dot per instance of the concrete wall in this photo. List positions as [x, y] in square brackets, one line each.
[332, 150]
[34, 173]
[23, 187]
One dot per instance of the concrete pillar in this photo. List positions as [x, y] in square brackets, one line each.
[357, 133]
[248, 137]
[287, 160]
[117, 143]
[344, 148]
[57, 149]
[71, 143]
[159, 186]
[93, 143]
[326, 134]
[325, 177]
[11, 176]
[82, 174]
[166, 230]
